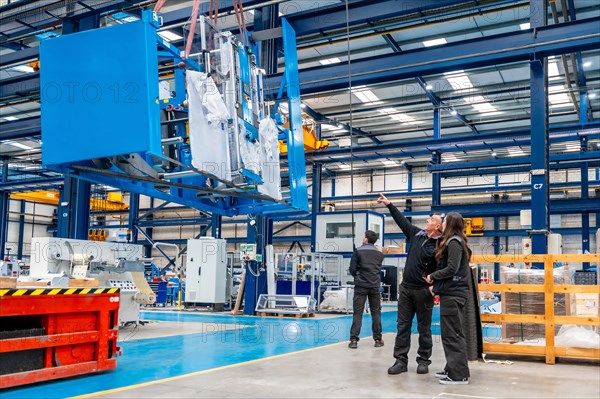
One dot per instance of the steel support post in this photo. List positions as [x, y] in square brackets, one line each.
[4, 208]
[540, 193]
[74, 209]
[585, 216]
[316, 203]
[134, 212]
[217, 221]
[22, 229]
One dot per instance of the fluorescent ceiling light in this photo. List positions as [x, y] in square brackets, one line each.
[344, 166]
[525, 26]
[558, 98]
[365, 95]
[345, 142]
[553, 70]
[453, 112]
[428, 87]
[515, 152]
[434, 42]
[454, 72]
[460, 82]
[592, 95]
[23, 68]
[587, 64]
[329, 61]
[22, 146]
[387, 162]
[11, 118]
[169, 36]
[302, 105]
[494, 154]
[449, 157]
[394, 114]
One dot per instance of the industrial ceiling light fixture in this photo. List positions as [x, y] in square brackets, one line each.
[429, 87]
[453, 112]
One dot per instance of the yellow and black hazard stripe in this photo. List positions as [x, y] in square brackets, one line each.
[56, 291]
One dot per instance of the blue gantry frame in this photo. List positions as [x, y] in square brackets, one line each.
[100, 99]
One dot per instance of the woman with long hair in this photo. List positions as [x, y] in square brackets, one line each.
[451, 283]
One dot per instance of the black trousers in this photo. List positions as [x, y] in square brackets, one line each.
[410, 302]
[360, 297]
[452, 317]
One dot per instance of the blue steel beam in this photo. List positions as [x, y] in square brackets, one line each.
[22, 185]
[513, 169]
[494, 163]
[447, 144]
[487, 189]
[361, 12]
[505, 48]
[26, 85]
[134, 212]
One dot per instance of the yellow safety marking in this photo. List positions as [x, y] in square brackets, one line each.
[70, 291]
[85, 291]
[112, 290]
[3, 292]
[38, 291]
[54, 291]
[99, 291]
[19, 292]
[179, 377]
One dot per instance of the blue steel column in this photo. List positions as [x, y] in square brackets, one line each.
[316, 203]
[585, 216]
[21, 230]
[540, 218]
[134, 213]
[4, 208]
[74, 209]
[217, 221]
[436, 158]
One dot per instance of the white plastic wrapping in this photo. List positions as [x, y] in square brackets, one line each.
[208, 124]
[271, 170]
[577, 337]
[249, 152]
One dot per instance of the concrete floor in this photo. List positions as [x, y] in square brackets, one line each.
[197, 355]
[334, 371]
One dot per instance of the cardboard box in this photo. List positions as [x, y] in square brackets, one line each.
[394, 249]
[83, 282]
[8, 282]
[585, 305]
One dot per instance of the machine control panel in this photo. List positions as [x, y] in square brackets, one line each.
[248, 252]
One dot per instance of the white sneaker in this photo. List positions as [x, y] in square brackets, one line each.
[449, 381]
[441, 374]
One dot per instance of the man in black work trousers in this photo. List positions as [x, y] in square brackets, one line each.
[365, 266]
[414, 296]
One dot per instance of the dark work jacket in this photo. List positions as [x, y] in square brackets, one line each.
[453, 273]
[420, 260]
[365, 266]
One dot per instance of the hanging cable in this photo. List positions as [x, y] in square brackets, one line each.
[194, 22]
[350, 124]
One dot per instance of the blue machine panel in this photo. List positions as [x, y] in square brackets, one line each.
[99, 91]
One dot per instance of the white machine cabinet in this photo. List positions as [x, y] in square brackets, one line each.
[206, 272]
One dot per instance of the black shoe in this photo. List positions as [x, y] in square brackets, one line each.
[378, 343]
[398, 368]
[422, 369]
[441, 374]
[353, 344]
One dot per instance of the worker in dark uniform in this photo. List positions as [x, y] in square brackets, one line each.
[414, 295]
[451, 281]
[365, 266]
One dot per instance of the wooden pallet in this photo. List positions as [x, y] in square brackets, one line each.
[296, 315]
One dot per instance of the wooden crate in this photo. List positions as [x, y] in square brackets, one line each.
[83, 282]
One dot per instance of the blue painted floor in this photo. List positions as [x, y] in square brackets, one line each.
[153, 359]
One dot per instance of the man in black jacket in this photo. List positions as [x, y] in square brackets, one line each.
[365, 266]
[414, 295]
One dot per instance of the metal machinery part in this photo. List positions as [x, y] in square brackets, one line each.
[113, 264]
[150, 150]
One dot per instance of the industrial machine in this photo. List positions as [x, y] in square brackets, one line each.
[176, 102]
[308, 274]
[113, 264]
[206, 273]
